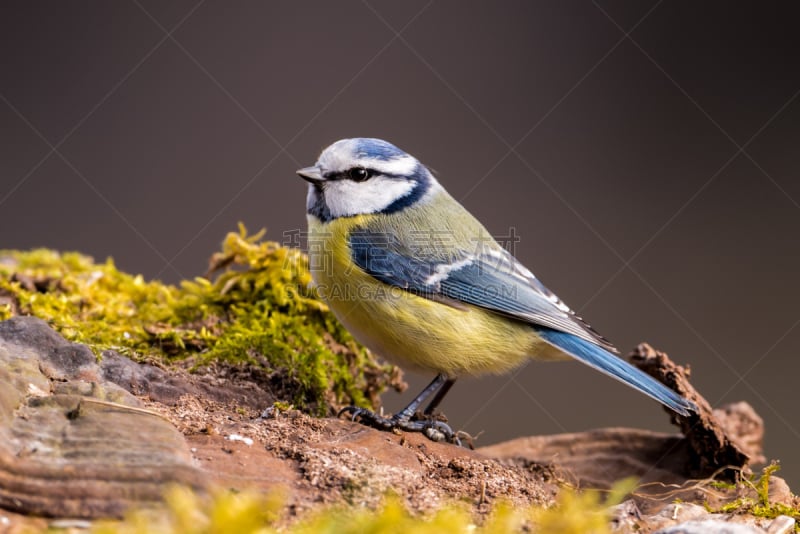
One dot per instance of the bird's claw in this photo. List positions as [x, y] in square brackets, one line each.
[367, 417]
[432, 429]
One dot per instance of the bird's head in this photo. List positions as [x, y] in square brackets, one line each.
[363, 176]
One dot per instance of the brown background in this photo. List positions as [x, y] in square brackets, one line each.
[646, 154]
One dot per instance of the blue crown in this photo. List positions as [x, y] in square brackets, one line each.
[367, 147]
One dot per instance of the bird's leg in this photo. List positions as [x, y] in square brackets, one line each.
[439, 396]
[436, 385]
[435, 430]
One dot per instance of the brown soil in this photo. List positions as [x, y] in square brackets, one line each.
[333, 461]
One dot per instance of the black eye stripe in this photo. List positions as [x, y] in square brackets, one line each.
[345, 175]
[355, 174]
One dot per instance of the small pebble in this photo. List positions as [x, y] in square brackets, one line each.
[434, 434]
[782, 524]
[625, 516]
[237, 437]
[36, 391]
[684, 511]
[710, 526]
[779, 491]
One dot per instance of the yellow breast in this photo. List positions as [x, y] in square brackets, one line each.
[408, 329]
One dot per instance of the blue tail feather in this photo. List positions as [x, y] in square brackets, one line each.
[605, 362]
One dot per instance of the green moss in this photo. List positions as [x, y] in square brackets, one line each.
[187, 512]
[586, 511]
[722, 485]
[282, 406]
[760, 505]
[252, 512]
[260, 309]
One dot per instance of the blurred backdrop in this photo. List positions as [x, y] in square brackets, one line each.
[645, 153]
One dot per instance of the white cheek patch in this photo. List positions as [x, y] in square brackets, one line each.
[346, 197]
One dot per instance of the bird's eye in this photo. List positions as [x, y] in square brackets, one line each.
[358, 174]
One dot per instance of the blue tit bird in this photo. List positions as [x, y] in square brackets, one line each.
[418, 280]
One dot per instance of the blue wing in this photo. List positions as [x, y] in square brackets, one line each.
[493, 279]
